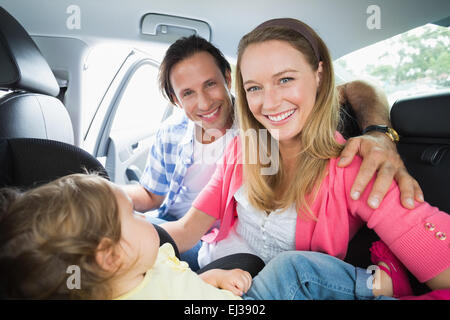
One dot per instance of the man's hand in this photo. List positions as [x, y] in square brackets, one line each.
[380, 154]
[143, 200]
[236, 280]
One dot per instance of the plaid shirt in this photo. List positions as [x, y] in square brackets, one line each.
[170, 156]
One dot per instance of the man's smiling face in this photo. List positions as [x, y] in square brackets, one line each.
[202, 91]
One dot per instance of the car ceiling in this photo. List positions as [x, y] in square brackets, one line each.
[342, 24]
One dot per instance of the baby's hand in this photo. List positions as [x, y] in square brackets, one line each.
[236, 280]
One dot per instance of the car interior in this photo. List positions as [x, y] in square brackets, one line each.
[55, 121]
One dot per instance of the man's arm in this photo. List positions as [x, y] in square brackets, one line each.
[143, 199]
[379, 153]
[368, 102]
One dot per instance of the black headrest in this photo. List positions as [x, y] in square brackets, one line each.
[21, 63]
[425, 116]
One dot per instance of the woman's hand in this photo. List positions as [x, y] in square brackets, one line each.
[236, 280]
[380, 154]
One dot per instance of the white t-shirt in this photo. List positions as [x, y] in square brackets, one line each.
[199, 173]
[265, 235]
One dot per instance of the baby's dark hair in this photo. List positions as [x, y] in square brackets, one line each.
[45, 230]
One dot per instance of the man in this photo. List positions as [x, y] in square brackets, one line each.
[196, 77]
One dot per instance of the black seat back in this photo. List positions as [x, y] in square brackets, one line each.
[423, 124]
[29, 162]
[31, 109]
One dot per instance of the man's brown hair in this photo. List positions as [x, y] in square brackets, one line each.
[184, 48]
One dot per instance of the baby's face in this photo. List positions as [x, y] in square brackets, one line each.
[140, 240]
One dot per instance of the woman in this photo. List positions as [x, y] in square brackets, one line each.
[285, 85]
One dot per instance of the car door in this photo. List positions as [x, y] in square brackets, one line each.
[127, 118]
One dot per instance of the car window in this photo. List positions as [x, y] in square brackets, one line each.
[100, 67]
[414, 62]
[141, 104]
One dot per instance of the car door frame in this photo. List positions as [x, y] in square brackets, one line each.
[97, 139]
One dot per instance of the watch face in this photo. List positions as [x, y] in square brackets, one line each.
[394, 134]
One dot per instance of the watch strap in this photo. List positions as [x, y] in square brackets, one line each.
[390, 132]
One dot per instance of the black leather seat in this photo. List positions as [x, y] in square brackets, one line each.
[31, 109]
[423, 124]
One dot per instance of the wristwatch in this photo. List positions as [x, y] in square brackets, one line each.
[391, 133]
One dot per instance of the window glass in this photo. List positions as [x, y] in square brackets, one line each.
[414, 62]
[142, 104]
[99, 69]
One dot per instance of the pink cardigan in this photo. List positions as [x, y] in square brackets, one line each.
[420, 238]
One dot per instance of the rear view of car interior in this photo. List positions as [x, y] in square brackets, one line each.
[56, 120]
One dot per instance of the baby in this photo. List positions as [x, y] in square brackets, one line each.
[88, 222]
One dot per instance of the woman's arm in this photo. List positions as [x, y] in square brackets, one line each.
[188, 230]
[419, 238]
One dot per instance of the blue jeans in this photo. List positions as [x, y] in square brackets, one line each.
[307, 275]
[190, 256]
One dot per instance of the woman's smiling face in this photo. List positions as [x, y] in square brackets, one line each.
[280, 87]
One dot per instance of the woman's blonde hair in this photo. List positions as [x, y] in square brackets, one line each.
[318, 134]
[45, 230]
